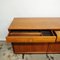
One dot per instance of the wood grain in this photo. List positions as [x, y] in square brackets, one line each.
[58, 36]
[34, 42]
[47, 36]
[30, 48]
[35, 23]
[31, 39]
[25, 34]
[54, 48]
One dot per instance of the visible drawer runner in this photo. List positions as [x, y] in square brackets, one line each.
[25, 34]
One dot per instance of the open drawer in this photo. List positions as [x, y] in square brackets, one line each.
[31, 36]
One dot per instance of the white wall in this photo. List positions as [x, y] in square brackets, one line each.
[25, 8]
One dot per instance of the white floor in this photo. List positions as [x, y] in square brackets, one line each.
[6, 53]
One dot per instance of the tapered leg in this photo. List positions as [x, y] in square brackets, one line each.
[22, 56]
[47, 56]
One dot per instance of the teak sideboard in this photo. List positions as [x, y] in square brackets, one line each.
[34, 35]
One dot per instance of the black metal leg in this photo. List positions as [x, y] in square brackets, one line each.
[47, 56]
[52, 57]
[22, 56]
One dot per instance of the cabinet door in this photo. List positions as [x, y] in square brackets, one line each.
[29, 48]
[54, 48]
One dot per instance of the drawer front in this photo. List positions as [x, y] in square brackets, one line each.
[58, 36]
[29, 48]
[54, 48]
[31, 39]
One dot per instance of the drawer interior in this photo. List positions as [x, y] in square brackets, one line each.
[31, 33]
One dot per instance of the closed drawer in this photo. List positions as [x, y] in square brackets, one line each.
[29, 47]
[58, 36]
[31, 37]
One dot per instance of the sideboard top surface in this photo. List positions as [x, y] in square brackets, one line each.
[35, 23]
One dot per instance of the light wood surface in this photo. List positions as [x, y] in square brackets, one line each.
[25, 34]
[31, 39]
[58, 36]
[35, 23]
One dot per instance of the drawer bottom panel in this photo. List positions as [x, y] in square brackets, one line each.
[29, 48]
